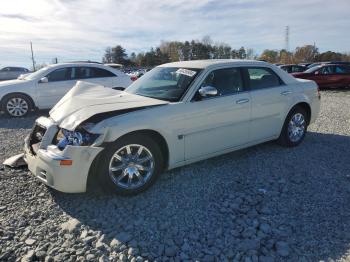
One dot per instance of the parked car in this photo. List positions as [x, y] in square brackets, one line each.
[292, 68]
[328, 75]
[10, 72]
[327, 62]
[44, 88]
[176, 114]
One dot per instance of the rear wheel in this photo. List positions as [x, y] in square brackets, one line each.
[294, 128]
[17, 105]
[131, 165]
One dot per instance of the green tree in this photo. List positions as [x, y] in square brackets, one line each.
[270, 56]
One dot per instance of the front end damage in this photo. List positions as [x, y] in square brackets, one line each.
[60, 149]
[64, 169]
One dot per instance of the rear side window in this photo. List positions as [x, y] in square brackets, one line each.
[342, 70]
[91, 72]
[99, 72]
[227, 81]
[61, 74]
[260, 77]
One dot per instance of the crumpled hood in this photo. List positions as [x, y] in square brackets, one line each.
[85, 100]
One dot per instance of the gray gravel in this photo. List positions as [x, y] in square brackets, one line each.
[265, 203]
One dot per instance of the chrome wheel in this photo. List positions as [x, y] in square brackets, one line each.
[131, 166]
[296, 127]
[17, 106]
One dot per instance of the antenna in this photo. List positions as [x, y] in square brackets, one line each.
[287, 38]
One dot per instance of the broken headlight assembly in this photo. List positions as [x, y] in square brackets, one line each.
[78, 137]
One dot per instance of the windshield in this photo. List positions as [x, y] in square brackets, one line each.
[35, 74]
[312, 69]
[165, 83]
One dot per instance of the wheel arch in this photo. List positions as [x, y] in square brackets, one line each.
[2, 101]
[304, 105]
[155, 135]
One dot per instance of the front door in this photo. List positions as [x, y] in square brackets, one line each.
[59, 83]
[213, 124]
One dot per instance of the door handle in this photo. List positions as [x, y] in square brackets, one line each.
[284, 93]
[242, 101]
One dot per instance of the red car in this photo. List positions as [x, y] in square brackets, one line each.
[327, 75]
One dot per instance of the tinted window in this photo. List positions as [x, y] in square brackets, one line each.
[326, 70]
[99, 72]
[342, 70]
[61, 74]
[298, 69]
[287, 69]
[82, 72]
[262, 78]
[227, 81]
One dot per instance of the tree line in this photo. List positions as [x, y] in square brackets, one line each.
[171, 51]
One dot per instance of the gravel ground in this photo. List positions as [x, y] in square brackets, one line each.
[265, 203]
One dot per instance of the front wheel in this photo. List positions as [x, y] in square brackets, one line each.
[17, 105]
[131, 165]
[294, 128]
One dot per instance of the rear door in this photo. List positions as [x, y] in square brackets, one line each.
[270, 100]
[342, 73]
[218, 122]
[326, 76]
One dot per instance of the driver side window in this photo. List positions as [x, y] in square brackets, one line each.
[227, 81]
[61, 74]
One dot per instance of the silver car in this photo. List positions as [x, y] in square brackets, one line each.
[8, 73]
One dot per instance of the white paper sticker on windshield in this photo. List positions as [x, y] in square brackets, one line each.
[186, 72]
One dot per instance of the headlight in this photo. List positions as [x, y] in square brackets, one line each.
[80, 137]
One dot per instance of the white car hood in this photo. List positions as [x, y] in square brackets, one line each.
[13, 82]
[85, 100]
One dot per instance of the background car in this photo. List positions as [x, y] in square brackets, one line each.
[328, 75]
[328, 62]
[45, 87]
[8, 73]
[293, 68]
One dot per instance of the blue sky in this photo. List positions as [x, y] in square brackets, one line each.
[82, 29]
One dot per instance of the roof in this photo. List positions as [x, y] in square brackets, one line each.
[210, 62]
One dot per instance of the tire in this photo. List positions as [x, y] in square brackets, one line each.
[17, 105]
[294, 128]
[127, 165]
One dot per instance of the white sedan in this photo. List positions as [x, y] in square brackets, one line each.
[176, 114]
[44, 88]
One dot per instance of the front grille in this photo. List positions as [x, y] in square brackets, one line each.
[36, 137]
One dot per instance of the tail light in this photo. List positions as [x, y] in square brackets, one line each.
[133, 78]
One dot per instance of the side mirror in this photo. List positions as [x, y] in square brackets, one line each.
[206, 91]
[317, 72]
[44, 80]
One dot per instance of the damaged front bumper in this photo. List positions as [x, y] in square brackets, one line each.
[66, 170]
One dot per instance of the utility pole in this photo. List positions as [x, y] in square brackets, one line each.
[31, 48]
[287, 38]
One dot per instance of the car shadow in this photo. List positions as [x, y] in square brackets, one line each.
[307, 187]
